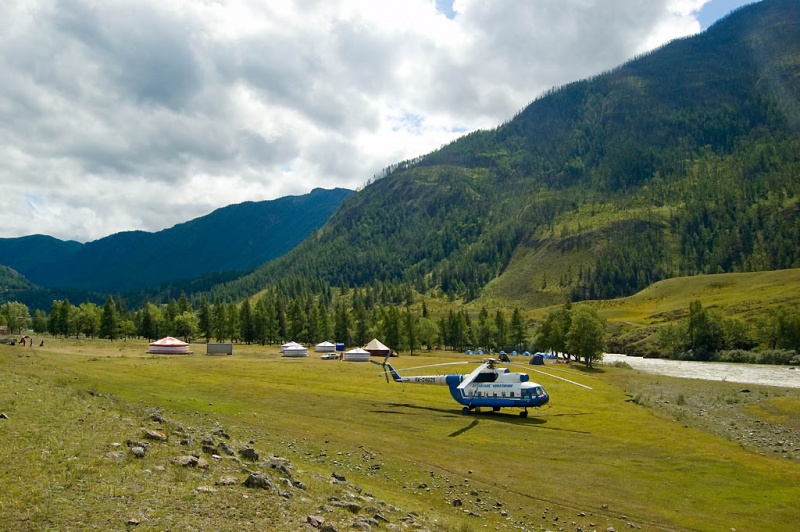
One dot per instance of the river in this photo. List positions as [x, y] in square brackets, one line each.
[783, 376]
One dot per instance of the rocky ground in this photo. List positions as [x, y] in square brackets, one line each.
[733, 411]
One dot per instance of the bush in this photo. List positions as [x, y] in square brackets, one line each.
[777, 356]
[781, 357]
[738, 356]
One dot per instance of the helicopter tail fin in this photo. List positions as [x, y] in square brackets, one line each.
[388, 370]
[393, 373]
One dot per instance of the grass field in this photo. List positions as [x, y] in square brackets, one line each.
[592, 459]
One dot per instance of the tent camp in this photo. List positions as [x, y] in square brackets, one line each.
[356, 355]
[169, 346]
[293, 349]
[325, 347]
[375, 348]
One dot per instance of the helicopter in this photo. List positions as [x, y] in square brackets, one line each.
[487, 386]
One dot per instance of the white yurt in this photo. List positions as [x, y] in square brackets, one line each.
[169, 346]
[357, 355]
[325, 347]
[293, 349]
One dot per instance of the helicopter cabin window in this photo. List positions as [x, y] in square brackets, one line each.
[511, 394]
[494, 394]
[503, 394]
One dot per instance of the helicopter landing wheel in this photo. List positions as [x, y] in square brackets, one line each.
[495, 409]
[465, 410]
[523, 414]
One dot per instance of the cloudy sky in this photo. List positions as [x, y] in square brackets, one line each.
[140, 114]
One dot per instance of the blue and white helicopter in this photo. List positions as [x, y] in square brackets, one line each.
[487, 386]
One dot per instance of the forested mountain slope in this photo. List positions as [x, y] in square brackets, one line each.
[683, 161]
[234, 238]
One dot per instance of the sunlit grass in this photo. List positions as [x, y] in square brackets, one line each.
[591, 452]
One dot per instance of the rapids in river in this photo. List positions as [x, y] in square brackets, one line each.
[783, 376]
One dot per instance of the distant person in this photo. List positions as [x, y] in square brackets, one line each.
[41, 344]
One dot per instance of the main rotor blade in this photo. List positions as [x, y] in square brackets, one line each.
[434, 365]
[550, 368]
[561, 378]
[471, 377]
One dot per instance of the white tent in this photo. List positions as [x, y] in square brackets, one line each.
[376, 348]
[356, 355]
[325, 347]
[169, 346]
[293, 349]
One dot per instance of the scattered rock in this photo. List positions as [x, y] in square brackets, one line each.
[282, 466]
[3, 416]
[132, 521]
[138, 452]
[151, 434]
[249, 454]
[338, 476]
[353, 507]
[206, 489]
[227, 450]
[258, 480]
[227, 481]
[210, 449]
[115, 455]
[190, 461]
[220, 432]
[315, 521]
[361, 525]
[458, 502]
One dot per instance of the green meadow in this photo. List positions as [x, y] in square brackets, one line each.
[590, 460]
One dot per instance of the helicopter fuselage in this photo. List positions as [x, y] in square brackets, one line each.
[493, 388]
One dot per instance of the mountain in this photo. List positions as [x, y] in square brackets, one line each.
[234, 238]
[681, 162]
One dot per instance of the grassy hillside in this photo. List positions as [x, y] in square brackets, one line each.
[750, 295]
[592, 459]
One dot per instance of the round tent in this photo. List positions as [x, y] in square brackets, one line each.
[293, 349]
[376, 348]
[325, 347]
[357, 355]
[169, 346]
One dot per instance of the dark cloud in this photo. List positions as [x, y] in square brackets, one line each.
[140, 114]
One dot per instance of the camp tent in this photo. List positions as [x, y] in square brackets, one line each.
[293, 349]
[375, 348]
[169, 346]
[356, 355]
[325, 347]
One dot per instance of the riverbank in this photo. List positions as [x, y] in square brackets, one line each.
[756, 407]
[782, 376]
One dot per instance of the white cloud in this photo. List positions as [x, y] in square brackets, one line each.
[141, 114]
